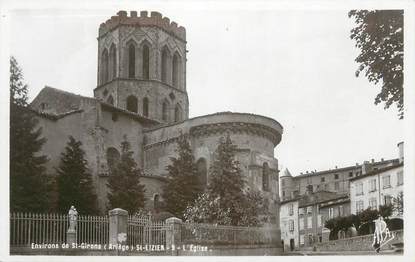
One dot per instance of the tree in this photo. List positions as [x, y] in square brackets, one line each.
[29, 184]
[207, 209]
[398, 203]
[254, 209]
[226, 181]
[74, 182]
[18, 89]
[385, 211]
[182, 187]
[125, 190]
[379, 36]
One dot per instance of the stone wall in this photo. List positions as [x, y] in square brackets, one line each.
[359, 243]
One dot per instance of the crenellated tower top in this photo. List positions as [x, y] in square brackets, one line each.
[155, 19]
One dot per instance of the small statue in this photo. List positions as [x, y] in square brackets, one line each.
[73, 217]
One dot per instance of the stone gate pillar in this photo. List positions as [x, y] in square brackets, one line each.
[174, 234]
[325, 235]
[118, 219]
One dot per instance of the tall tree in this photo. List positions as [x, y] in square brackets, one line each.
[182, 187]
[126, 192]
[74, 181]
[379, 36]
[226, 181]
[18, 88]
[29, 183]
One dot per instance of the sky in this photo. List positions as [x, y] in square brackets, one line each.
[296, 66]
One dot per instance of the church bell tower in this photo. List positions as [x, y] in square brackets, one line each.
[142, 66]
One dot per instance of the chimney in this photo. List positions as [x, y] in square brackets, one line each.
[401, 153]
[366, 167]
[373, 160]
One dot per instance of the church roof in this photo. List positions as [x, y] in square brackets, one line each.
[52, 101]
[54, 104]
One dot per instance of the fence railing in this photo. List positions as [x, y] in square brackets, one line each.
[144, 231]
[227, 235]
[93, 229]
[28, 228]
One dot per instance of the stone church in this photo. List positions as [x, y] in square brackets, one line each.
[141, 94]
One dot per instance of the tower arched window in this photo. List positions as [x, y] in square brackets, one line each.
[202, 171]
[265, 177]
[165, 111]
[113, 62]
[110, 100]
[145, 106]
[104, 66]
[132, 104]
[176, 70]
[131, 60]
[178, 113]
[164, 68]
[146, 62]
[113, 156]
[156, 201]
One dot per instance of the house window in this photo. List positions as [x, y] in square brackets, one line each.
[132, 104]
[319, 221]
[359, 206]
[291, 225]
[146, 62]
[309, 222]
[400, 178]
[282, 182]
[301, 223]
[388, 200]
[301, 211]
[283, 193]
[331, 213]
[301, 239]
[310, 188]
[131, 61]
[309, 210]
[145, 106]
[359, 189]
[386, 181]
[336, 176]
[291, 209]
[336, 186]
[373, 203]
[350, 174]
[341, 211]
[372, 184]
[323, 179]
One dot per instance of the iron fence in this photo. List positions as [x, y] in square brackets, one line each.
[28, 228]
[144, 231]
